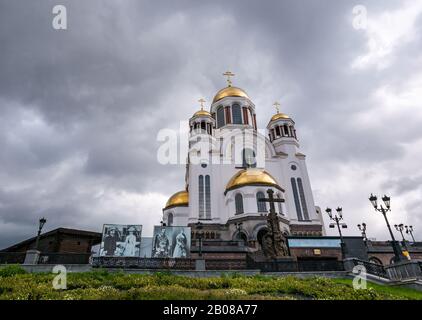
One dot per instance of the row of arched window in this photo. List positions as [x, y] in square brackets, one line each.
[235, 115]
[261, 205]
[202, 127]
[282, 131]
[204, 192]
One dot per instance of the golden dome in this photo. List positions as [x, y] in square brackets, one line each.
[252, 177]
[202, 113]
[279, 115]
[179, 199]
[230, 92]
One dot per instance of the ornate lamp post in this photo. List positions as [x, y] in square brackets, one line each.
[409, 229]
[398, 255]
[362, 229]
[337, 218]
[41, 224]
[400, 228]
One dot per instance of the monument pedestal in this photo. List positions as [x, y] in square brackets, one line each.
[200, 265]
[32, 257]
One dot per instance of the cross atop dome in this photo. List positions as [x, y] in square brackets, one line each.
[202, 101]
[229, 74]
[277, 106]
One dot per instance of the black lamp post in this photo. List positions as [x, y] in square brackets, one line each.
[362, 229]
[409, 229]
[400, 228]
[398, 255]
[337, 218]
[199, 227]
[42, 222]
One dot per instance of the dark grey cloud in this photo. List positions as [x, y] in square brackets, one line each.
[81, 108]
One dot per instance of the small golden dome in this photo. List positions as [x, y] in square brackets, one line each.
[279, 115]
[179, 199]
[230, 92]
[252, 177]
[202, 113]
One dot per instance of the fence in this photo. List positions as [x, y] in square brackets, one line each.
[295, 266]
[12, 257]
[144, 263]
[371, 268]
[64, 258]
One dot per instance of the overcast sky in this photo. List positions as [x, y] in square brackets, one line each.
[80, 108]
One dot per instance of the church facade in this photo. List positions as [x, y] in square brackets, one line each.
[231, 164]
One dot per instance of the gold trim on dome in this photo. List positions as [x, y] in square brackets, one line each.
[179, 199]
[230, 92]
[252, 177]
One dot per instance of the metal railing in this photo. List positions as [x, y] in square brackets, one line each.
[295, 266]
[12, 257]
[144, 263]
[372, 268]
[64, 258]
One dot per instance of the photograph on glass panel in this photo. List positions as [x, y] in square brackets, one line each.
[171, 242]
[120, 240]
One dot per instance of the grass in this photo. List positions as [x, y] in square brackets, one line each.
[15, 284]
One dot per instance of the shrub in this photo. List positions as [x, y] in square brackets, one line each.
[11, 270]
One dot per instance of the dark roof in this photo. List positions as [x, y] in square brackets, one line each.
[84, 233]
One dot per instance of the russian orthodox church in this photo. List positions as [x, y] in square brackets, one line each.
[231, 165]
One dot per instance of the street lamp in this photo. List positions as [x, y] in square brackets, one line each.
[400, 228]
[199, 227]
[362, 229]
[409, 229]
[398, 255]
[337, 218]
[41, 224]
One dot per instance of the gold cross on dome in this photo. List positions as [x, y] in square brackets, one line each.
[202, 101]
[277, 106]
[229, 74]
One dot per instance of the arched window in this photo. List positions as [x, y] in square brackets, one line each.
[238, 199]
[249, 158]
[220, 117]
[201, 197]
[302, 199]
[375, 260]
[237, 114]
[170, 219]
[296, 198]
[262, 206]
[207, 197]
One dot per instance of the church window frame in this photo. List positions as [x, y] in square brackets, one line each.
[170, 219]
[261, 206]
[296, 199]
[238, 200]
[237, 113]
[221, 122]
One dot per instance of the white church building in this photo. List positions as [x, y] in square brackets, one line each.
[231, 164]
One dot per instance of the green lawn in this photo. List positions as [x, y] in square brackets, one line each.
[16, 284]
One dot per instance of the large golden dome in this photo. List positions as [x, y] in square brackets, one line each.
[230, 92]
[256, 177]
[202, 113]
[279, 115]
[179, 199]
